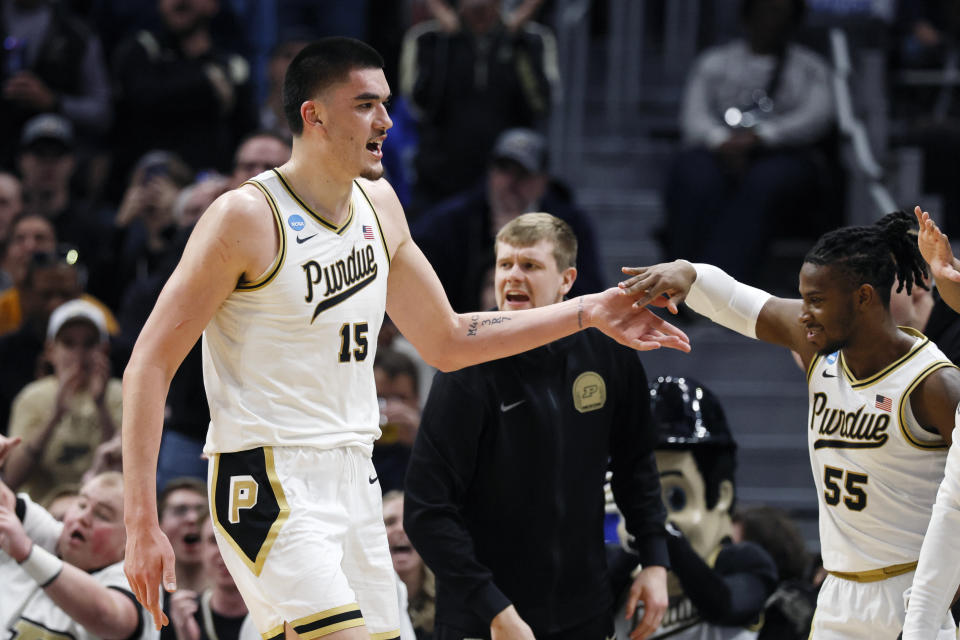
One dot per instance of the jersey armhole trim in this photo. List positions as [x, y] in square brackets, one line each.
[932, 445]
[267, 276]
[812, 366]
[376, 218]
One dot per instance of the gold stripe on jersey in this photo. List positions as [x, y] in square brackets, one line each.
[812, 366]
[271, 471]
[313, 214]
[376, 217]
[274, 268]
[901, 411]
[880, 375]
[875, 575]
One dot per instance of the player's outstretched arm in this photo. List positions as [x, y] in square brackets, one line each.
[447, 340]
[227, 243]
[711, 292]
[944, 267]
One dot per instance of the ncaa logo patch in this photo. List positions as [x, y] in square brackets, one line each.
[832, 357]
[296, 222]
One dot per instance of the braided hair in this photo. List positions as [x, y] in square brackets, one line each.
[875, 254]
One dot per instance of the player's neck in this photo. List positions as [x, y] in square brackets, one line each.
[326, 192]
[874, 349]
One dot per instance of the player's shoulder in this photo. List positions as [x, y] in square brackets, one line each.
[380, 194]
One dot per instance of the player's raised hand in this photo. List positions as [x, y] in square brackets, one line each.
[148, 564]
[662, 285]
[935, 248]
[633, 326]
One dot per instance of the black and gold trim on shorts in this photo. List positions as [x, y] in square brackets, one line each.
[376, 218]
[324, 623]
[247, 503]
[896, 364]
[930, 445]
[326, 224]
[274, 268]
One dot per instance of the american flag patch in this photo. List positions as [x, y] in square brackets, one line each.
[367, 232]
[885, 403]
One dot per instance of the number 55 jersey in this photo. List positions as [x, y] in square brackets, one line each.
[876, 469]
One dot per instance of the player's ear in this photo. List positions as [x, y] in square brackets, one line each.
[568, 277]
[312, 113]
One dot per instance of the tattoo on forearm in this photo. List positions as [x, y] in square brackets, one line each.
[476, 323]
[580, 312]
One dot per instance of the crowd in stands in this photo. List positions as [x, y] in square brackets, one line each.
[122, 121]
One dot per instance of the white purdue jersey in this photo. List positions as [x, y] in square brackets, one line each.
[876, 470]
[288, 358]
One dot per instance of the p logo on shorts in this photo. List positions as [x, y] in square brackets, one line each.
[243, 495]
[247, 503]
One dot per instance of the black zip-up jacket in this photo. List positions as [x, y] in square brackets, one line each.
[504, 491]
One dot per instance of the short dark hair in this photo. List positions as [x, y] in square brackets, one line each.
[320, 65]
[799, 10]
[396, 364]
[176, 484]
[875, 254]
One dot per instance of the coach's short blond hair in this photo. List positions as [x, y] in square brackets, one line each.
[530, 228]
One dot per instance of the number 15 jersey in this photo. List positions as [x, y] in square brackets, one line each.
[876, 470]
[288, 358]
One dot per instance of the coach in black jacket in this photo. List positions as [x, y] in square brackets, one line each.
[505, 497]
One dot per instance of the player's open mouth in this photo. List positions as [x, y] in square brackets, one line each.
[813, 332]
[375, 148]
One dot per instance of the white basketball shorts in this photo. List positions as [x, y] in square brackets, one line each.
[849, 610]
[301, 532]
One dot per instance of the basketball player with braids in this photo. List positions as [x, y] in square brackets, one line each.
[287, 277]
[882, 402]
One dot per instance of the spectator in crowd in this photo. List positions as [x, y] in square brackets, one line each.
[61, 500]
[258, 152]
[51, 278]
[193, 200]
[66, 580]
[271, 109]
[52, 63]
[48, 163]
[457, 236]
[419, 581]
[216, 613]
[182, 504]
[717, 588]
[66, 417]
[789, 611]
[398, 390]
[144, 229]
[518, 548]
[11, 206]
[197, 97]
[470, 72]
[29, 234]
[752, 116]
